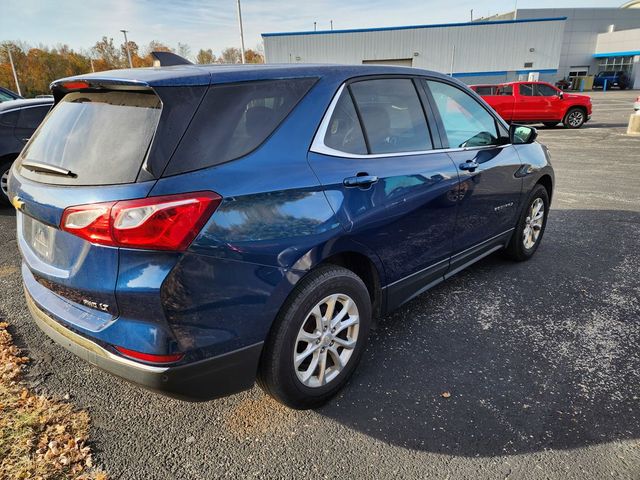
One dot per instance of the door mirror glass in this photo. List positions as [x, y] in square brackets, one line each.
[519, 134]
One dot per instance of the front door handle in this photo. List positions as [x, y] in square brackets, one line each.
[362, 181]
[470, 165]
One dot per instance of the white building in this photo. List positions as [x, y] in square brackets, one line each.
[585, 29]
[545, 43]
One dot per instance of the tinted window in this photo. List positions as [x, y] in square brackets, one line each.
[485, 90]
[344, 132]
[546, 90]
[526, 89]
[30, 118]
[9, 119]
[392, 115]
[234, 120]
[100, 137]
[466, 122]
[5, 97]
[506, 90]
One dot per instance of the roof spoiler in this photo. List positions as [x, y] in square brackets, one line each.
[168, 59]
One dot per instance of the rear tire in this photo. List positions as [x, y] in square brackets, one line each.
[574, 118]
[310, 352]
[530, 228]
[4, 176]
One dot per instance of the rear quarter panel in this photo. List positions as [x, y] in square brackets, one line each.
[273, 225]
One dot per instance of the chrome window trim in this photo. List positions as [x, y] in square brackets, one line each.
[318, 145]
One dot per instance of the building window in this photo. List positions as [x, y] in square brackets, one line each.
[616, 64]
[578, 71]
[528, 64]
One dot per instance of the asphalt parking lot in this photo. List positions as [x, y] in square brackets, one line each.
[542, 360]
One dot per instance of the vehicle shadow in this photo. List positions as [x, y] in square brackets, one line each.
[7, 211]
[506, 357]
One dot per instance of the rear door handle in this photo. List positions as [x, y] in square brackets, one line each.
[362, 181]
[470, 165]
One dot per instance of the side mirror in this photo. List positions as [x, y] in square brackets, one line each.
[561, 95]
[519, 134]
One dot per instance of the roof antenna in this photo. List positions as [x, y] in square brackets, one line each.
[168, 59]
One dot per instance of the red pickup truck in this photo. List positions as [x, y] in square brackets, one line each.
[537, 102]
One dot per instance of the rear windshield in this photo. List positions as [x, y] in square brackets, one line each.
[485, 90]
[234, 120]
[100, 138]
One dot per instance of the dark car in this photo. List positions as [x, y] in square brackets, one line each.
[7, 95]
[612, 79]
[18, 120]
[195, 228]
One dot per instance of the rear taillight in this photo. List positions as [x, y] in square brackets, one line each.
[169, 222]
[149, 357]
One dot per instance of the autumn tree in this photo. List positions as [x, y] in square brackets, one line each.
[205, 57]
[156, 46]
[252, 56]
[230, 55]
[106, 55]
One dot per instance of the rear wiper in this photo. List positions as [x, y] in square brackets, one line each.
[47, 168]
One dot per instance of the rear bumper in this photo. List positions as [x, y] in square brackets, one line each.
[207, 379]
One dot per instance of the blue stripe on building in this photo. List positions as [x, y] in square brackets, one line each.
[410, 27]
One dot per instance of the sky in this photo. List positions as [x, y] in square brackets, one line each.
[214, 23]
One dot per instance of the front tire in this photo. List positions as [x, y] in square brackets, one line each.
[4, 177]
[317, 339]
[574, 118]
[531, 225]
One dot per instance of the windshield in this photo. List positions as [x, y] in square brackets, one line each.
[101, 138]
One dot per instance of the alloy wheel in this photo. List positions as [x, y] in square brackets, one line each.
[4, 184]
[575, 118]
[533, 224]
[326, 340]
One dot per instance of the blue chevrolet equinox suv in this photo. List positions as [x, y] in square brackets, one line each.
[193, 229]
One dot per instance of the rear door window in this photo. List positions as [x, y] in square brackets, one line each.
[392, 115]
[526, 89]
[234, 120]
[31, 117]
[466, 122]
[344, 132]
[101, 138]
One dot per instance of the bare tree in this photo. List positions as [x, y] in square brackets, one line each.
[184, 50]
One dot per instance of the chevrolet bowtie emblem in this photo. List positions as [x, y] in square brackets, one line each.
[17, 203]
